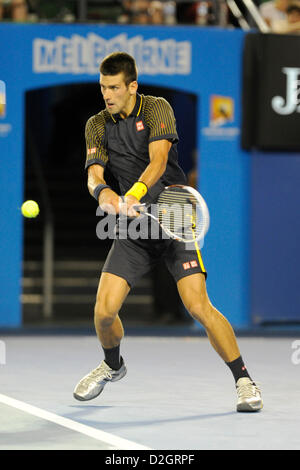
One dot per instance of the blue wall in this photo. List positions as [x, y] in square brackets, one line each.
[275, 235]
[206, 62]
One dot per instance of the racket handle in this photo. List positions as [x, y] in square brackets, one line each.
[139, 207]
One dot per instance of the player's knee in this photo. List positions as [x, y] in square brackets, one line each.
[104, 313]
[104, 319]
[201, 312]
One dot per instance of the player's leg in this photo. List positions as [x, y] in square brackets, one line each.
[127, 261]
[192, 290]
[112, 291]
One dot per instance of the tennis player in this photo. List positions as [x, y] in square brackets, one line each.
[135, 138]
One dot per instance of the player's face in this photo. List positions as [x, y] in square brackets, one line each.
[293, 17]
[118, 97]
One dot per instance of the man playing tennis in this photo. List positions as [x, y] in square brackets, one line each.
[135, 139]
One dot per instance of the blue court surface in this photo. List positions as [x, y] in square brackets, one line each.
[177, 395]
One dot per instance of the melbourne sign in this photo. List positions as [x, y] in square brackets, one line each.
[82, 55]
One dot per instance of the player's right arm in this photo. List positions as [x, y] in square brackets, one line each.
[96, 160]
[109, 201]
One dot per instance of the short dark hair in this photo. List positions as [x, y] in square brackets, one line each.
[118, 62]
[293, 6]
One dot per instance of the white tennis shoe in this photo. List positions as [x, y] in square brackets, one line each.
[249, 395]
[92, 384]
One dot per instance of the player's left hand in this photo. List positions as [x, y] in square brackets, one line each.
[127, 206]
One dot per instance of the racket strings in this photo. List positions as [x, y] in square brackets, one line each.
[179, 212]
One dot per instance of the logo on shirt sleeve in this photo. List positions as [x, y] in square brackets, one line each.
[91, 151]
[139, 126]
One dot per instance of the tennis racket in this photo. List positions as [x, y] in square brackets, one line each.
[180, 211]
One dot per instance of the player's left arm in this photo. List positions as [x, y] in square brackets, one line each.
[160, 119]
[158, 155]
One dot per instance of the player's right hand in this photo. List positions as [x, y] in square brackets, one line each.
[109, 201]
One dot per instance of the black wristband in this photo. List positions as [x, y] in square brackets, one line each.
[98, 190]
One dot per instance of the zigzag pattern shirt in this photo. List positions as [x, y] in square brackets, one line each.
[121, 145]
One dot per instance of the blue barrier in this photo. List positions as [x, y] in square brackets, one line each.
[206, 62]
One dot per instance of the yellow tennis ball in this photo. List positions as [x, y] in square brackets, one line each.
[30, 209]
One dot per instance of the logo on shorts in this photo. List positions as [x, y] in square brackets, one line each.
[186, 266]
[190, 264]
[140, 126]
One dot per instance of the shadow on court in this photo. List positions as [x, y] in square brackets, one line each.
[84, 410]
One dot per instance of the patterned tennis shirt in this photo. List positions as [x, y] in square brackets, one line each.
[121, 145]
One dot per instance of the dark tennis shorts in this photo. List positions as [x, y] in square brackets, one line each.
[131, 259]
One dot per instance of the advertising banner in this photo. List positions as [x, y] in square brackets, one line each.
[271, 92]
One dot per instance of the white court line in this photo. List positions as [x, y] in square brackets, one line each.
[117, 442]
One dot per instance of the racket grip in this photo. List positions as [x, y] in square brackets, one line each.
[139, 207]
